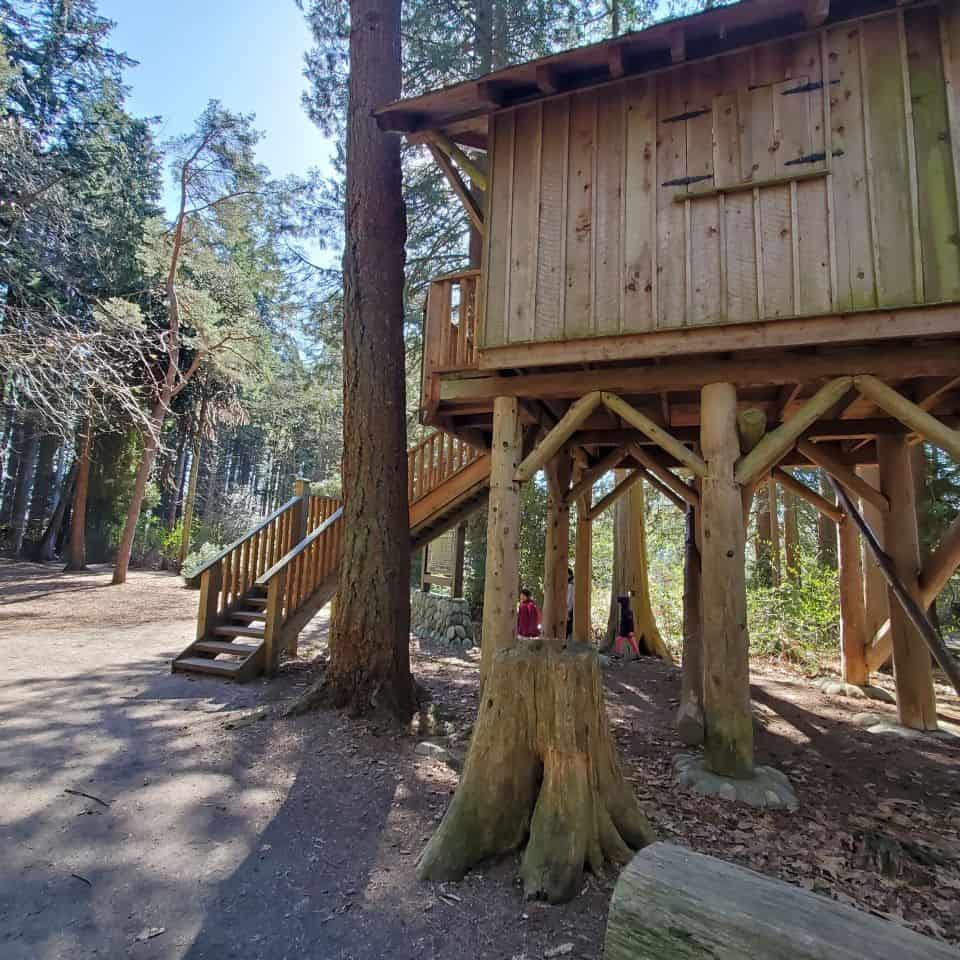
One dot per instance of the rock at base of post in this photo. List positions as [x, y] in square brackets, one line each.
[767, 787]
[839, 688]
[882, 723]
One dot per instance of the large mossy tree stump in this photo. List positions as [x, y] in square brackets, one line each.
[542, 770]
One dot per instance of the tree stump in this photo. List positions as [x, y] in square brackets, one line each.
[542, 769]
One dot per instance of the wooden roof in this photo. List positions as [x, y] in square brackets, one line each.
[461, 111]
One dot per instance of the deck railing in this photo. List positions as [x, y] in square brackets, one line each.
[449, 330]
[434, 461]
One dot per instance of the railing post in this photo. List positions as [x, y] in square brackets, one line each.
[208, 615]
[273, 627]
[301, 489]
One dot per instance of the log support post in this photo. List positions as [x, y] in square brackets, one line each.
[852, 629]
[916, 703]
[557, 553]
[726, 681]
[876, 606]
[503, 535]
[459, 555]
[583, 574]
[208, 616]
[690, 712]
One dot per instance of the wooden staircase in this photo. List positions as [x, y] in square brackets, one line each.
[258, 594]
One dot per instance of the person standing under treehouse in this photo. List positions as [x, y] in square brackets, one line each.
[528, 616]
[627, 630]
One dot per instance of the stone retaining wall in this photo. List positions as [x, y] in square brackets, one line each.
[441, 619]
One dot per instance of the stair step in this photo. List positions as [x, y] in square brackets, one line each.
[256, 601]
[219, 668]
[235, 630]
[248, 615]
[220, 646]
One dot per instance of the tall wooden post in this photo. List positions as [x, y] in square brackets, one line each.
[852, 626]
[557, 555]
[875, 600]
[726, 668]
[459, 554]
[916, 703]
[690, 712]
[583, 574]
[301, 489]
[501, 582]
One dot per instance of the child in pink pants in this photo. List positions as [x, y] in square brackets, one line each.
[626, 633]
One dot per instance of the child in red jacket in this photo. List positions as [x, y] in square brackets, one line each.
[528, 616]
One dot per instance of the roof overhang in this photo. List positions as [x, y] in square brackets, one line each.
[462, 111]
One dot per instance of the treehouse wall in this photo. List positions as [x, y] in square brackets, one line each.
[709, 193]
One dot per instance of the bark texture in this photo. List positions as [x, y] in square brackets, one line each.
[630, 571]
[542, 769]
[77, 546]
[370, 649]
[690, 711]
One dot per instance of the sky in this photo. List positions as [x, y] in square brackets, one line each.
[246, 53]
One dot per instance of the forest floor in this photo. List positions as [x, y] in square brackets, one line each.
[146, 814]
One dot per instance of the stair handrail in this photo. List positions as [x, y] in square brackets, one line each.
[226, 551]
[264, 579]
[295, 578]
[453, 456]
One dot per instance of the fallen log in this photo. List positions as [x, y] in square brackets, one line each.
[673, 904]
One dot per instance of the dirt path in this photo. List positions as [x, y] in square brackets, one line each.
[284, 839]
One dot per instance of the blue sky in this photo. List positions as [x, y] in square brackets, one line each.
[246, 53]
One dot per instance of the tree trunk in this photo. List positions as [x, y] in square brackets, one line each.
[191, 500]
[763, 543]
[875, 601]
[45, 478]
[48, 542]
[791, 536]
[179, 475]
[150, 446]
[542, 770]
[14, 447]
[630, 571]
[77, 547]
[21, 496]
[370, 650]
[583, 574]
[853, 638]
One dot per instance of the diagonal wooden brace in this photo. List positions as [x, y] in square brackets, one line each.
[777, 443]
[655, 432]
[820, 455]
[557, 437]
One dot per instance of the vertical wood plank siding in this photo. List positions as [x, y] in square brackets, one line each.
[813, 174]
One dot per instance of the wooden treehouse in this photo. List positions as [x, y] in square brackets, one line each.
[713, 250]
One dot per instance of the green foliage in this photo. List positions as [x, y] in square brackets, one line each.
[195, 559]
[799, 620]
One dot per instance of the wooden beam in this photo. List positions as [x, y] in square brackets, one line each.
[896, 335]
[751, 427]
[941, 565]
[788, 393]
[556, 549]
[791, 483]
[558, 436]
[615, 494]
[853, 634]
[458, 186]
[779, 441]
[616, 60]
[914, 416]
[548, 81]
[592, 474]
[904, 596]
[491, 94]
[678, 45]
[667, 477]
[654, 432]
[477, 175]
[583, 574]
[816, 13]
[823, 458]
[678, 502]
[775, 368]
